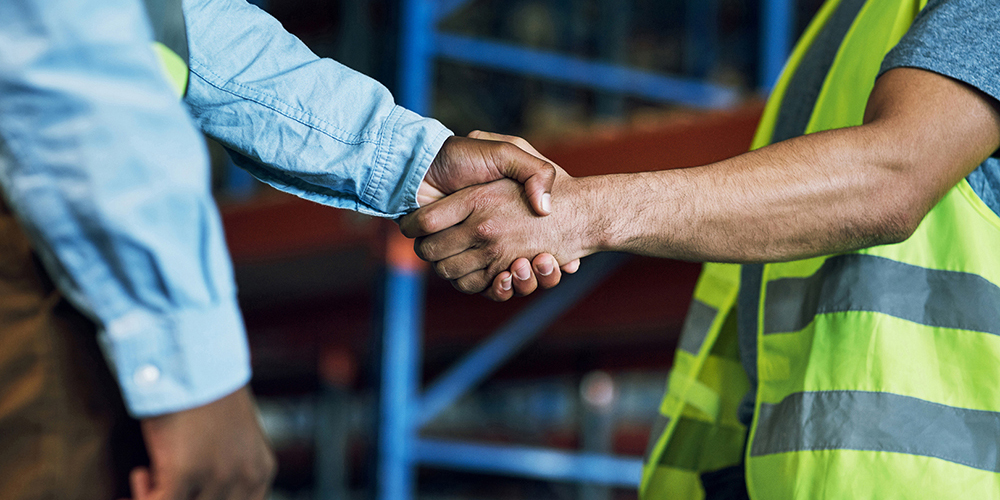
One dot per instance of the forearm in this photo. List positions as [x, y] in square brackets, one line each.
[817, 194]
[304, 124]
[812, 195]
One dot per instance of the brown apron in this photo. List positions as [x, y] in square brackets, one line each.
[64, 432]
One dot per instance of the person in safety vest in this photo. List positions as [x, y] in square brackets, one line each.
[856, 352]
[111, 246]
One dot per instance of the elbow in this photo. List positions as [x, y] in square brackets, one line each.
[897, 227]
[897, 197]
[896, 219]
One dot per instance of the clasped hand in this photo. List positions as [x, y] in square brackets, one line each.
[480, 237]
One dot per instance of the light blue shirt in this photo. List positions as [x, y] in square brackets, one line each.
[110, 178]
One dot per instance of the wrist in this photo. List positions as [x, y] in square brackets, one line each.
[576, 201]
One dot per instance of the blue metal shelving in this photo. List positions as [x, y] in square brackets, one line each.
[403, 408]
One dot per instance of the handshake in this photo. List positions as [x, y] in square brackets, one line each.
[479, 226]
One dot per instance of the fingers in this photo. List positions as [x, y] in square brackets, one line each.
[547, 270]
[437, 217]
[538, 177]
[449, 243]
[465, 263]
[502, 289]
[524, 280]
[571, 266]
[474, 282]
[543, 271]
[519, 280]
[139, 478]
[166, 487]
[513, 139]
[217, 451]
[526, 166]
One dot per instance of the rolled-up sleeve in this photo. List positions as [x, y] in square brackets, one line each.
[109, 177]
[303, 124]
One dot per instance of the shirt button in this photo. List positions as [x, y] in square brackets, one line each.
[146, 375]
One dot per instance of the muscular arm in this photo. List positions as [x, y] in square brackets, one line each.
[821, 193]
[817, 194]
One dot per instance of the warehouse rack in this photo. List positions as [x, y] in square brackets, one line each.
[404, 409]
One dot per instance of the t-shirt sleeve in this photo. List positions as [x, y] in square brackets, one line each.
[959, 39]
[956, 38]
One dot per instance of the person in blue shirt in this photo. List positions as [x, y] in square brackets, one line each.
[109, 227]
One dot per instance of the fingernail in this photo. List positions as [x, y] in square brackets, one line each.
[505, 283]
[522, 273]
[545, 267]
[547, 202]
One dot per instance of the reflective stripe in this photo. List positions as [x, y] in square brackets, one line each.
[696, 326]
[858, 282]
[654, 435]
[879, 421]
[807, 81]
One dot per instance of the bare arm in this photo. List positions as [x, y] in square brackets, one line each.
[817, 194]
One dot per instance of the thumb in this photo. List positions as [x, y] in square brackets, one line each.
[527, 166]
[536, 174]
[141, 482]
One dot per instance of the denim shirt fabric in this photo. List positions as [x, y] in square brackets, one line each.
[109, 176]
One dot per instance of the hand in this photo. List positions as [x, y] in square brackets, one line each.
[216, 451]
[474, 235]
[485, 157]
[525, 277]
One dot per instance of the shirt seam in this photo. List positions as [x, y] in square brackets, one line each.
[382, 156]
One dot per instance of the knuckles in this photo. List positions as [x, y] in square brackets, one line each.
[424, 249]
[486, 231]
[418, 224]
[443, 270]
[470, 284]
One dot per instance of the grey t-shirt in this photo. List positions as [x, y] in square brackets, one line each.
[956, 38]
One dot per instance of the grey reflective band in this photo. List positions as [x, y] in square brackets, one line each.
[805, 85]
[166, 17]
[879, 421]
[857, 282]
[654, 435]
[696, 326]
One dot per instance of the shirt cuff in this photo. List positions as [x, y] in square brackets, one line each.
[405, 154]
[169, 363]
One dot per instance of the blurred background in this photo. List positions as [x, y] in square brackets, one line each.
[362, 363]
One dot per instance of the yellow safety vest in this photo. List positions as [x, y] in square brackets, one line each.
[878, 370]
[175, 68]
[166, 17]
